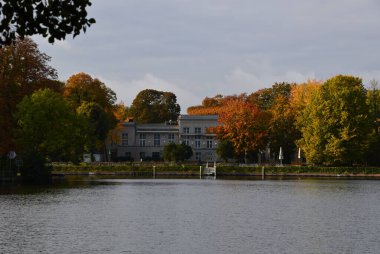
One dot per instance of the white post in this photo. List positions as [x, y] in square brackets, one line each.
[280, 156]
[200, 172]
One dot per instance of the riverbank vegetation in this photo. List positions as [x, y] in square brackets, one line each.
[333, 123]
[222, 169]
[336, 122]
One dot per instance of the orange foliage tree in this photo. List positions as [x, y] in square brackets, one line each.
[244, 125]
[82, 87]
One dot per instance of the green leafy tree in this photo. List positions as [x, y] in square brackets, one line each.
[225, 150]
[266, 98]
[97, 123]
[177, 152]
[23, 70]
[335, 124]
[52, 19]
[48, 127]
[151, 106]
[95, 104]
[373, 100]
[170, 152]
[283, 131]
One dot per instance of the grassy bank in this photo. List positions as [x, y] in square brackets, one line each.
[227, 170]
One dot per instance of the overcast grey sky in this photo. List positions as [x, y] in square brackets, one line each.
[198, 48]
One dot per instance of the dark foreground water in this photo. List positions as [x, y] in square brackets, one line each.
[89, 215]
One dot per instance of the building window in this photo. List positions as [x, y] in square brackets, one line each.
[155, 155]
[197, 130]
[210, 156]
[209, 142]
[186, 141]
[142, 139]
[156, 140]
[171, 137]
[197, 142]
[124, 139]
[186, 130]
[198, 156]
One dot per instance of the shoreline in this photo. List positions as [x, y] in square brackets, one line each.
[196, 174]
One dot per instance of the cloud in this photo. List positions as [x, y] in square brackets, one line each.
[240, 81]
[127, 90]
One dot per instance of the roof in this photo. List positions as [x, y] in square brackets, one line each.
[198, 117]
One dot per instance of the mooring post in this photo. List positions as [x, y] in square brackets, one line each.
[262, 173]
[154, 171]
[200, 172]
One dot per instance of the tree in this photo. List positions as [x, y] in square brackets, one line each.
[373, 100]
[82, 87]
[23, 70]
[265, 98]
[335, 124]
[48, 127]
[95, 103]
[283, 131]
[152, 106]
[170, 152]
[225, 150]
[52, 19]
[175, 152]
[244, 125]
[98, 124]
[121, 114]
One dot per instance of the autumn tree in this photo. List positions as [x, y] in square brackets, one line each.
[244, 125]
[301, 94]
[215, 105]
[335, 124]
[52, 19]
[265, 98]
[23, 70]
[82, 87]
[282, 131]
[95, 103]
[152, 106]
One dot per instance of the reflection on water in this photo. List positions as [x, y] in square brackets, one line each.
[119, 215]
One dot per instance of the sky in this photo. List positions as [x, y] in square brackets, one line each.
[199, 48]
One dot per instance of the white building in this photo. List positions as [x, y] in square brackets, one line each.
[147, 141]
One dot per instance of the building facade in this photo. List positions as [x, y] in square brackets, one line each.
[146, 141]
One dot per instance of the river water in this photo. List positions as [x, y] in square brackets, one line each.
[95, 215]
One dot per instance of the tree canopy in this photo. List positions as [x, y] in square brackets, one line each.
[335, 124]
[244, 125]
[23, 70]
[95, 103]
[81, 87]
[52, 19]
[152, 106]
[177, 152]
[48, 126]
